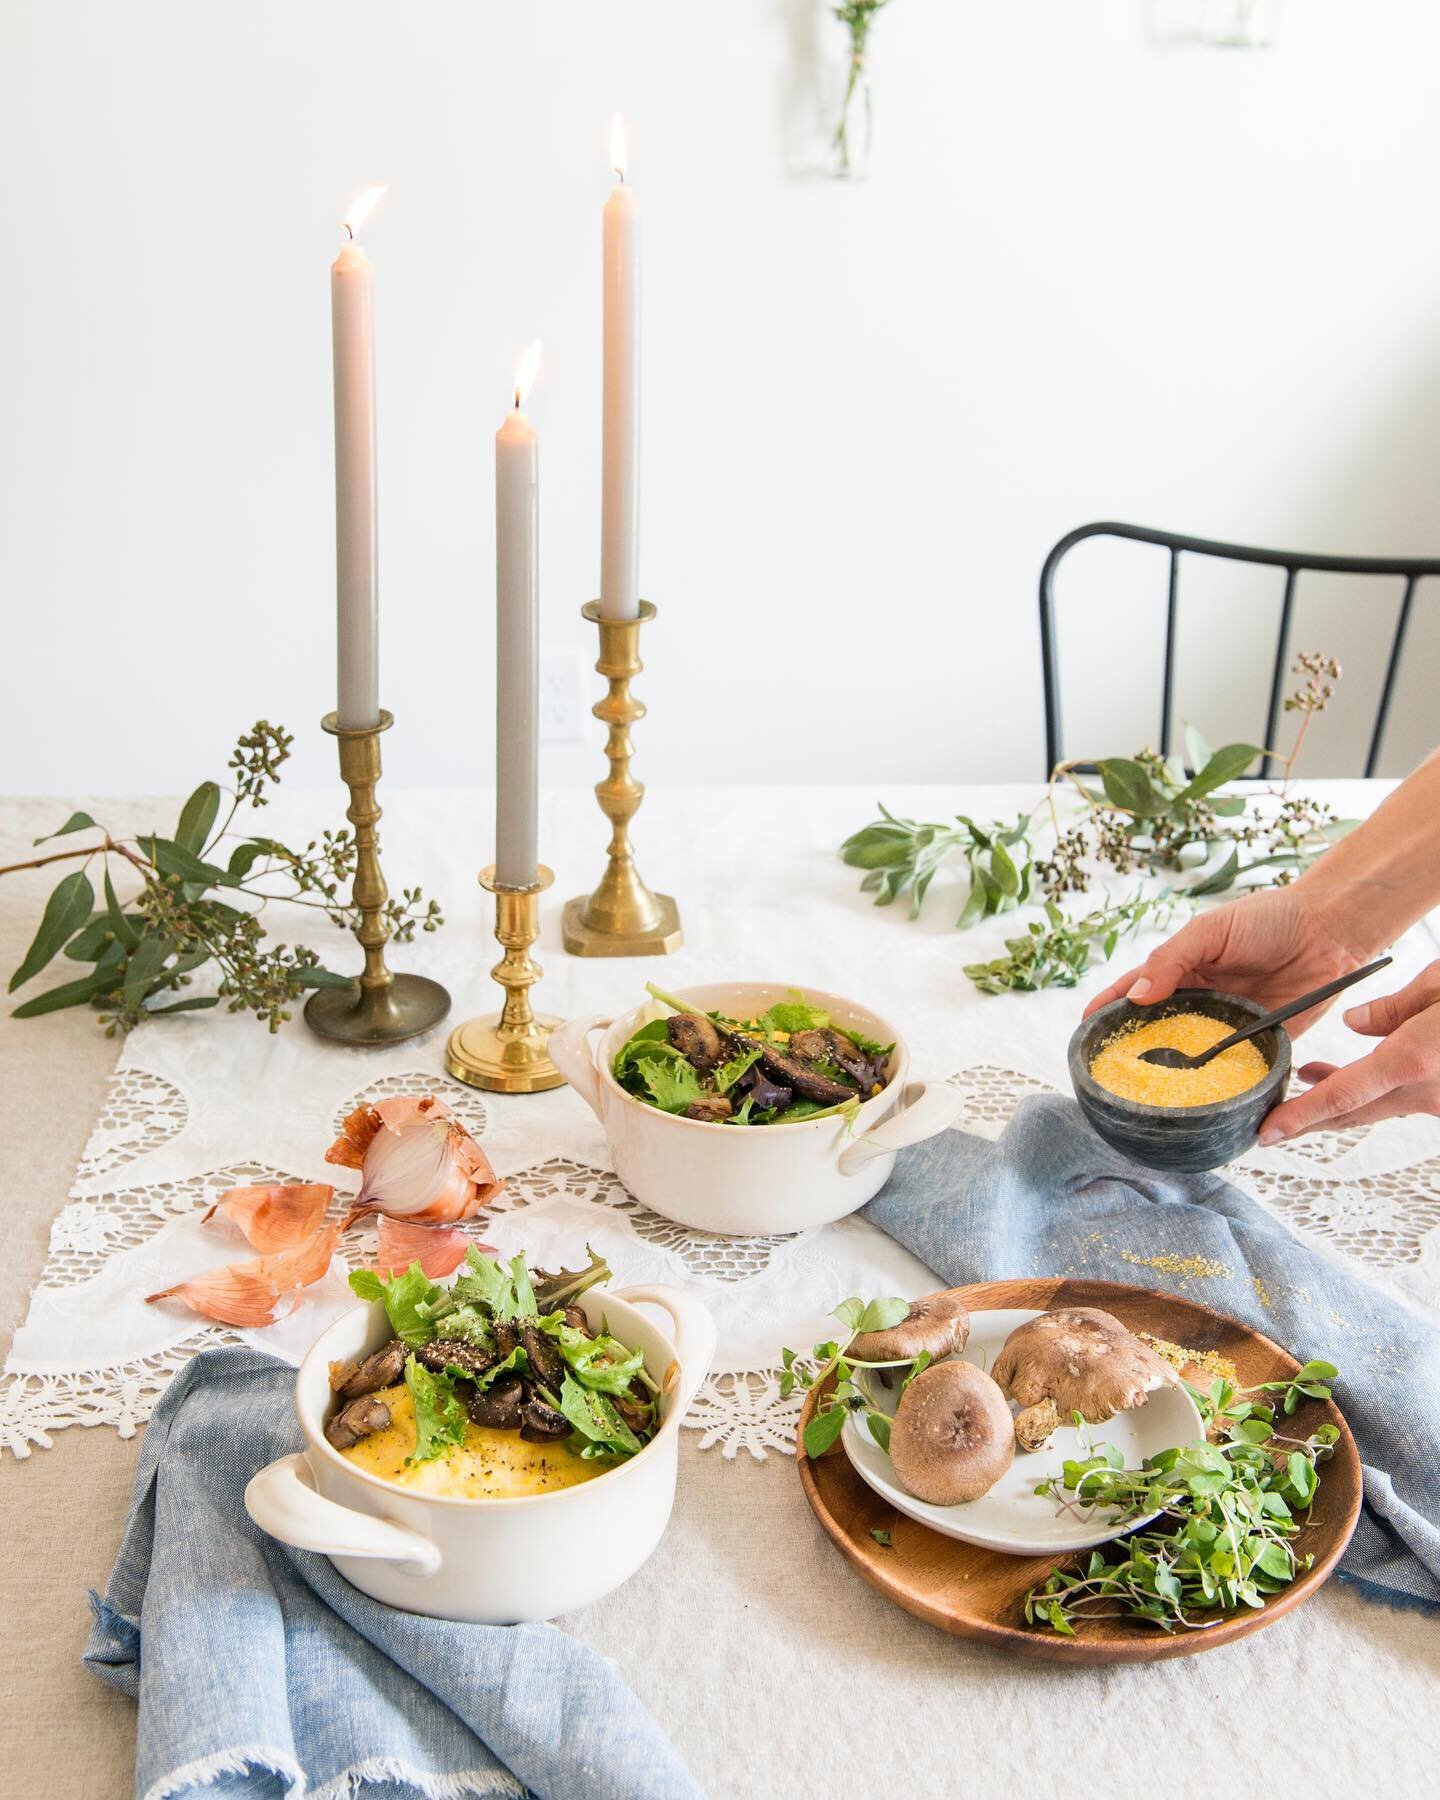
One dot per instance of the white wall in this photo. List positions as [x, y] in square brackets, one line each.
[1097, 271]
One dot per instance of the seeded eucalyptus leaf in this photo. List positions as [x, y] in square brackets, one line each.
[78, 821]
[1127, 785]
[1221, 878]
[1228, 764]
[171, 859]
[316, 977]
[66, 911]
[125, 926]
[142, 968]
[90, 940]
[197, 818]
[101, 980]
[197, 1004]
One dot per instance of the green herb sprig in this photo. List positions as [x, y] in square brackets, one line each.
[143, 952]
[831, 1358]
[1058, 952]
[1229, 1509]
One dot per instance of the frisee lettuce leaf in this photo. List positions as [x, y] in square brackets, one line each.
[439, 1415]
[596, 1421]
[601, 1363]
[672, 1086]
[795, 1014]
[407, 1298]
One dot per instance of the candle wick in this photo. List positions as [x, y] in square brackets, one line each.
[349, 230]
[517, 399]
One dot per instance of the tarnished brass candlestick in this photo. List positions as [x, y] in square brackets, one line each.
[377, 1007]
[508, 1051]
[622, 917]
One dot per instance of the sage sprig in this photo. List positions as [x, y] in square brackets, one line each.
[143, 952]
[901, 855]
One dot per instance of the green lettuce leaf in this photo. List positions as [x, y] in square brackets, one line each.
[795, 1014]
[439, 1415]
[596, 1421]
[408, 1300]
[602, 1363]
[671, 1086]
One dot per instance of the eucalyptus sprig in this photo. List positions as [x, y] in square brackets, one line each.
[856, 16]
[1166, 816]
[1228, 1514]
[831, 1358]
[1058, 952]
[144, 951]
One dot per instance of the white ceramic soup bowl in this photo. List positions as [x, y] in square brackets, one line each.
[753, 1179]
[489, 1562]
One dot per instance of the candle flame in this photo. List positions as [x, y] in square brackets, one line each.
[525, 374]
[617, 145]
[361, 208]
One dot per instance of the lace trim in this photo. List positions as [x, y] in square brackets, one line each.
[1384, 1219]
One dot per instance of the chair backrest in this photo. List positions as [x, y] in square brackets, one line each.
[1410, 569]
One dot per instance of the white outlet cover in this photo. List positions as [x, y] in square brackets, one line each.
[563, 700]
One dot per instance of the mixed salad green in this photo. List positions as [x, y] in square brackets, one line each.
[505, 1347]
[790, 1062]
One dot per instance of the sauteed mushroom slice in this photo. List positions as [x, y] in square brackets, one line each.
[793, 1071]
[454, 1353]
[382, 1368]
[362, 1418]
[698, 1039]
[547, 1365]
[541, 1424]
[501, 1407]
[824, 1044]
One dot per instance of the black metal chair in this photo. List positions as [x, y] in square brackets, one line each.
[1410, 569]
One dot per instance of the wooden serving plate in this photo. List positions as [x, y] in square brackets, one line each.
[979, 1593]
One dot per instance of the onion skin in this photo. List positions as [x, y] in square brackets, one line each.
[278, 1217]
[417, 1162]
[248, 1294]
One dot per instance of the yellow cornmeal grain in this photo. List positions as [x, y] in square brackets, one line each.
[489, 1465]
[1182, 1358]
[1118, 1068]
[1203, 1268]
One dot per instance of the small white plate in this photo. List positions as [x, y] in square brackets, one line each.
[1012, 1517]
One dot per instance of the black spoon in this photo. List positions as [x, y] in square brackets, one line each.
[1168, 1058]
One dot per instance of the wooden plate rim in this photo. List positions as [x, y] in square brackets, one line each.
[986, 1296]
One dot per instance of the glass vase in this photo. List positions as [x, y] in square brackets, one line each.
[1241, 24]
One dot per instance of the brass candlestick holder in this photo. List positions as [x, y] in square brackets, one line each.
[508, 1051]
[378, 1007]
[622, 917]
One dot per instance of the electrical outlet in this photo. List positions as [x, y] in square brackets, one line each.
[562, 697]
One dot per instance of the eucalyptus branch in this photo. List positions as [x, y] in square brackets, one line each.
[187, 912]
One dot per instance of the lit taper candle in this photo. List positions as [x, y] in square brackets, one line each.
[620, 472]
[517, 606]
[357, 586]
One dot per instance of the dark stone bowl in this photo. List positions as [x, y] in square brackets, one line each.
[1179, 1137]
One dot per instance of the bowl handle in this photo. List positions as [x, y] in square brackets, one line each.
[571, 1054]
[928, 1108]
[282, 1501]
[695, 1332]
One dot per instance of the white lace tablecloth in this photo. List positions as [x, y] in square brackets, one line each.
[208, 1101]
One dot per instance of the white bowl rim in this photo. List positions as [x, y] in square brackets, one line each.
[923, 1511]
[318, 1440]
[899, 1056]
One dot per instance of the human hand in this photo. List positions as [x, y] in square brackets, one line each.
[1402, 1075]
[1268, 946]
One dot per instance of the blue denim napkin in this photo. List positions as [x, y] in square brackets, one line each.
[1051, 1198]
[259, 1671]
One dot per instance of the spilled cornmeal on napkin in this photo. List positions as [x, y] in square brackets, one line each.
[1051, 1198]
[260, 1671]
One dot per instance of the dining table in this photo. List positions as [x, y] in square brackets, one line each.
[772, 1666]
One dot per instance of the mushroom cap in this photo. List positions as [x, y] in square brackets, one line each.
[1083, 1360]
[938, 1323]
[953, 1436]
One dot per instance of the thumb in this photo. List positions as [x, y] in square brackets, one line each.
[1379, 1017]
[1169, 966]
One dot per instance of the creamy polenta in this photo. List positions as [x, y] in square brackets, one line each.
[489, 1465]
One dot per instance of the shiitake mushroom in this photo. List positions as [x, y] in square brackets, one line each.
[1075, 1359]
[952, 1437]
